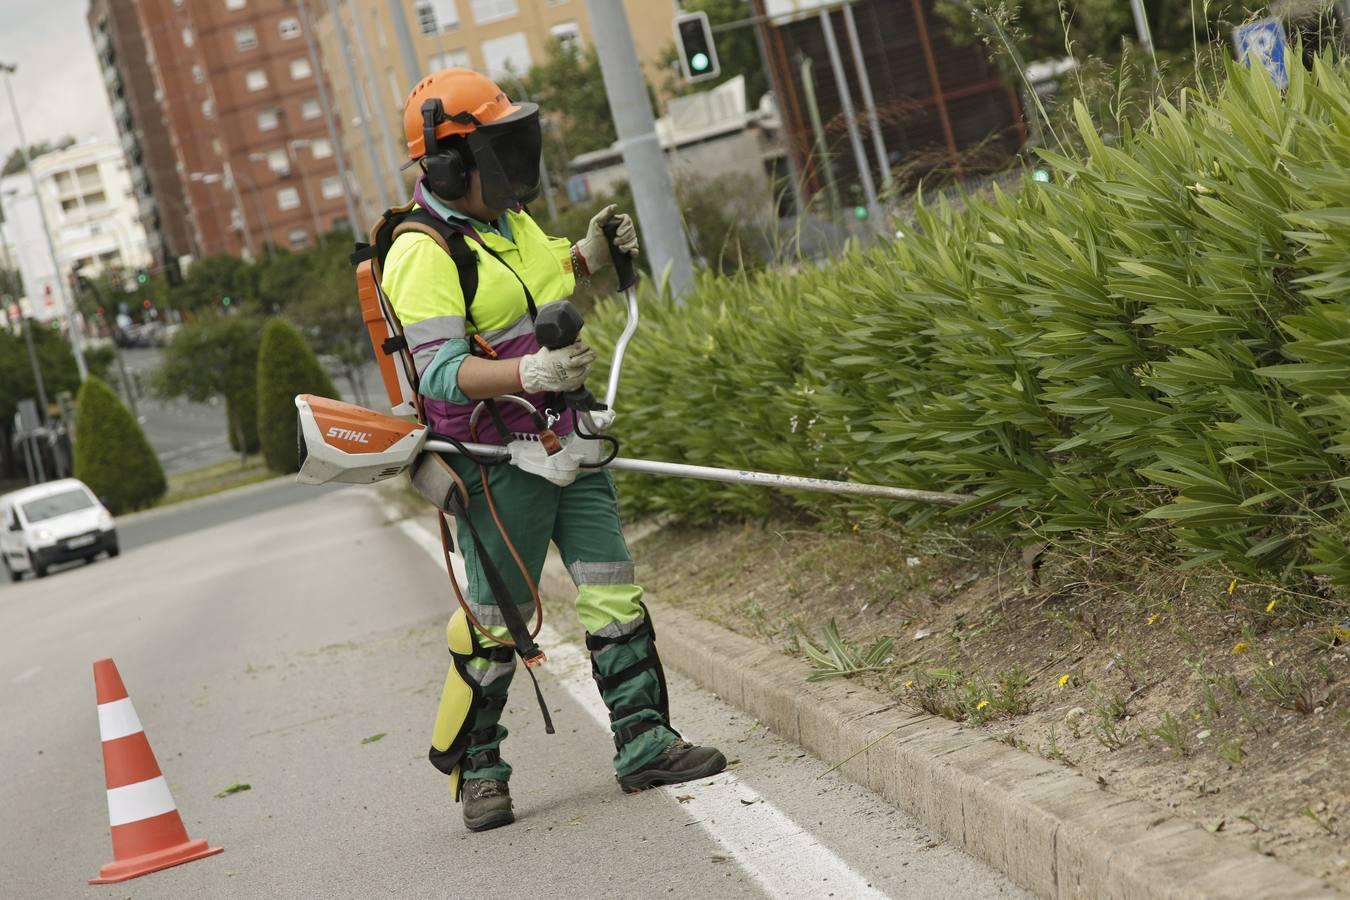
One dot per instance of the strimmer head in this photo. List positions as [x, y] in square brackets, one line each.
[339, 442]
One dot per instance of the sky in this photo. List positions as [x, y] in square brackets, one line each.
[58, 86]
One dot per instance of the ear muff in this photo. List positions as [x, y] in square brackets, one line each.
[447, 175]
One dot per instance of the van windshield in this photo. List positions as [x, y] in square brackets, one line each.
[55, 505]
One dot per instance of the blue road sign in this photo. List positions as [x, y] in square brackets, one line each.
[1263, 42]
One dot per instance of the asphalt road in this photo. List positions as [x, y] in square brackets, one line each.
[268, 649]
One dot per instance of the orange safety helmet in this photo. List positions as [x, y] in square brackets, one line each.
[503, 139]
[460, 91]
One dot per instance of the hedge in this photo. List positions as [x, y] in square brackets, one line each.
[286, 367]
[1151, 346]
[112, 455]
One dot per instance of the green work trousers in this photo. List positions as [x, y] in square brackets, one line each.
[582, 519]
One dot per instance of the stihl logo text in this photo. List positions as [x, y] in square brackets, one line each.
[360, 437]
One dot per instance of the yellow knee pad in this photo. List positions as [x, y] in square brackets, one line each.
[460, 699]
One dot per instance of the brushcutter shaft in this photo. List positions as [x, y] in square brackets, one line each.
[738, 476]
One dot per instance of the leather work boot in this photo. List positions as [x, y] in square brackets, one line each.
[487, 804]
[681, 761]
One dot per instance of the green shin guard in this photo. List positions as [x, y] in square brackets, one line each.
[632, 683]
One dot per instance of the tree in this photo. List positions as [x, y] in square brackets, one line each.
[216, 357]
[112, 455]
[286, 367]
[737, 51]
[213, 280]
[11, 283]
[327, 312]
[14, 163]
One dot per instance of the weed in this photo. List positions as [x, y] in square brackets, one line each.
[1287, 688]
[1110, 712]
[1052, 749]
[1230, 751]
[842, 658]
[1321, 823]
[1172, 732]
[954, 695]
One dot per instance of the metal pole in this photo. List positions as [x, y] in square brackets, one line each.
[1141, 28]
[822, 148]
[921, 26]
[405, 44]
[794, 177]
[33, 360]
[361, 109]
[657, 210]
[851, 120]
[88, 284]
[865, 82]
[737, 476]
[304, 185]
[390, 162]
[72, 324]
[352, 220]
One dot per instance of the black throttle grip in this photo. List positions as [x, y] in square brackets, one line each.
[623, 263]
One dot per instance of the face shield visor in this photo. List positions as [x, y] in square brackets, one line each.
[506, 153]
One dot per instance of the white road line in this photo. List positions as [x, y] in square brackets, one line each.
[26, 674]
[782, 857]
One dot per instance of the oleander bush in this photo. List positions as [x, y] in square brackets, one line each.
[1154, 347]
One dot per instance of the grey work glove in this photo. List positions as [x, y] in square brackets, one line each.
[594, 249]
[550, 371]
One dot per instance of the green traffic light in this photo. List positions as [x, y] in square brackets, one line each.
[699, 62]
[142, 277]
[225, 301]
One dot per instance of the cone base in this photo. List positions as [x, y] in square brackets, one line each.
[123, 869]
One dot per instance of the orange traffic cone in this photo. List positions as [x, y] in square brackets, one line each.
[147, 832]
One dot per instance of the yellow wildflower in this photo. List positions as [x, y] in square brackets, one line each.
[1232, 585]
[1153, 619]
[1341, 632]
[981, 705]
[909, 684]
[1270, 607]
[1063, 680]
[1241, 647]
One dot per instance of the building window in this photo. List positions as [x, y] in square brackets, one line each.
[455, 59]
[268, 119]
[394, 87]
[567, 34]
[278, 161]
[235, 4]
[198, 75]
[309, 109]
[320, 148]
[298, 237]
[289, 28]
[437, 15]
[187, 37]
[256, 79]
[208, 109]
[300, 68]
[332, 188]
[492, 10]
[288, 198]
[509, 55]
[245, 38]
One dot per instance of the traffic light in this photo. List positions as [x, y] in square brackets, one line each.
[225, 301]
[698, 55]
[146, 304]
[141, 276]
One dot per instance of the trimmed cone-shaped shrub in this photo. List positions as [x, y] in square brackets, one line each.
[241, 417]
[286, 367]
[112, 455]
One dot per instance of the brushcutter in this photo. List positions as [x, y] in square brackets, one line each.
[340, 442]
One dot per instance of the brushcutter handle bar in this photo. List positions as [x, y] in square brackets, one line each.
[623, 263]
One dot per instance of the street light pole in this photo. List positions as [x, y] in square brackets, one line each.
[88, 284]
[72, 324]
[304, 182]
[239, 205]
[851, 121]
[657, 211]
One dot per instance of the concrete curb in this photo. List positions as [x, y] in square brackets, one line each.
[1047, 827]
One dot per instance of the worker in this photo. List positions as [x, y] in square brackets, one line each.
[465, 281]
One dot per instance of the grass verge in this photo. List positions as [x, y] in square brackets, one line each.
[215, 478]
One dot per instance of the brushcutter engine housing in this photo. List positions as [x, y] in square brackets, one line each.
[342, 443]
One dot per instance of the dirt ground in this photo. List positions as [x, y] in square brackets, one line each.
[1222, 702]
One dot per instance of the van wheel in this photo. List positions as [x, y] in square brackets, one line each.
[38, 571]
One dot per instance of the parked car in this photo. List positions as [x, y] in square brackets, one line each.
[51, 523]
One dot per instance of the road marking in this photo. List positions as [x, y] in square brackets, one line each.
[782, 857]
[26, 674]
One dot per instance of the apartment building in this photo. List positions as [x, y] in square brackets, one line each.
[132, 94]
[497, 37]
[86, 192]
[241, 98]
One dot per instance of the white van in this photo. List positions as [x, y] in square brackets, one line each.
[53, 523]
